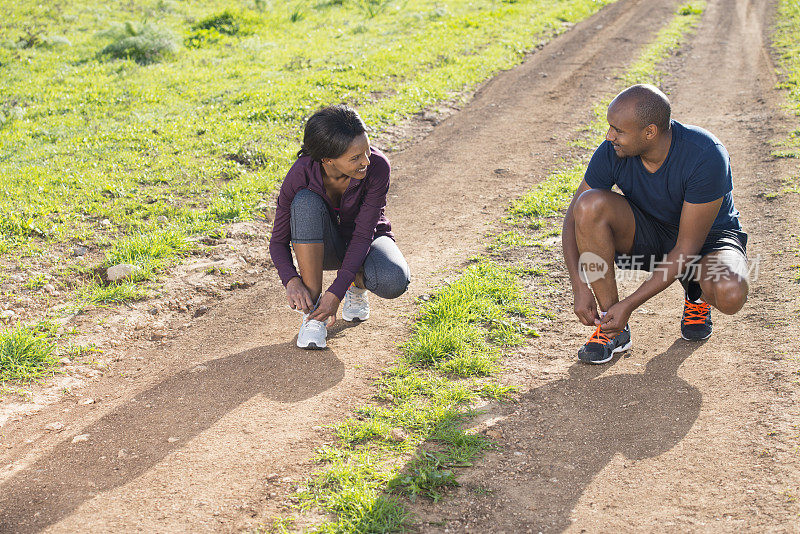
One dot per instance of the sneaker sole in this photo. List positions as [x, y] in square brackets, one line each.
[611, 356]
[312, 346]
[696, 338]
[355, 318]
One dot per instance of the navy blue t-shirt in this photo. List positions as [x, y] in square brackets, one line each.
[697, 170]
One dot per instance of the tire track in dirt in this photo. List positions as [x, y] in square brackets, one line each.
[238, 462]
[675, 436]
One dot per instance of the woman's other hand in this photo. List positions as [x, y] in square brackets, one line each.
[326, 309]
[298, 295]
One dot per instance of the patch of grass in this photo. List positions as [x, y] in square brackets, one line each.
[115, 293]
[144, 43]
[786, 44]
[548, 198]
[26, 352]
[150, 251]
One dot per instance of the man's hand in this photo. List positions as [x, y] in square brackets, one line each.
[326, 309]
[585, 306]
[298, 295]
[615, 319]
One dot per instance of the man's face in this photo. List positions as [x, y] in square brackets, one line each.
[624, 132]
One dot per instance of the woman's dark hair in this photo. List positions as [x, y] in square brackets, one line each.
[330, 131]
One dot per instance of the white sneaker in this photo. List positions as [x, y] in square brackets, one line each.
[356, 305]
[312, 334]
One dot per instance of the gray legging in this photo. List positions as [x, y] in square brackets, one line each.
[385, 269]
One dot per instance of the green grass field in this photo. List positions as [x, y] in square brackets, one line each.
[126, 111]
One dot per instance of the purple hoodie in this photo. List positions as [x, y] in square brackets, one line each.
[360, 217]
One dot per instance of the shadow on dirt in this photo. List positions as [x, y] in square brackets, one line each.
[130, 440]
[567, 431]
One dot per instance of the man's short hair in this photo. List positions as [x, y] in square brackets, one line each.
[651, 106]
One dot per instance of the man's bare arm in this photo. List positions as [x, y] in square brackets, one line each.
[695, 223]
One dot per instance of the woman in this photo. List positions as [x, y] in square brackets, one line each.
[331, 209]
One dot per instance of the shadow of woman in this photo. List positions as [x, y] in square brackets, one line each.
[572, 428]
[128, 441]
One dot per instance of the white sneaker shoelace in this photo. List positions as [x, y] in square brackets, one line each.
[356, 305]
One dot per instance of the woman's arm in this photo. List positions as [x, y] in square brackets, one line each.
[281, 236]
[369, 213]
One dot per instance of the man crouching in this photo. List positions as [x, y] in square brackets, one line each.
[675, 218]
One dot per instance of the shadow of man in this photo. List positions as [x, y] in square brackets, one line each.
[570, 429]
[128, 441]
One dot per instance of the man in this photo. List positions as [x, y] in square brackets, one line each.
[675, 217]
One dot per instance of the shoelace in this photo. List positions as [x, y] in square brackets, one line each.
[313, 324]
[599, 337]
[358, 299]
[695, 313]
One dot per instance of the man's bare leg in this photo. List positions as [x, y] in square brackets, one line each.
[723, 277]
[604, 225]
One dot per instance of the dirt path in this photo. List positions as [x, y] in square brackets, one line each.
[212, 431]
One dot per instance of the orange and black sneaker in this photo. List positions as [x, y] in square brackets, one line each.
[696, 321]
[600, 348]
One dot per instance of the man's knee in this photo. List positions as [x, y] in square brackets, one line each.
[592, 206]
[730, 294]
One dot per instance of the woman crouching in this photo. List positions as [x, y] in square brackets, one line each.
[331, 209]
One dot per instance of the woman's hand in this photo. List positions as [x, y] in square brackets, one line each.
[298, 295]
[326, 309]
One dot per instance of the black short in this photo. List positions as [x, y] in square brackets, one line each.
[654, 239]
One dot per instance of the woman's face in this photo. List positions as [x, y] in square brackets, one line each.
[355, 160]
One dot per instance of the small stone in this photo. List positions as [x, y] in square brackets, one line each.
[123, 453]
[65, 361]
[105, 223]
[50, 289]
[153, 311]
[494, 433]
[397, 434]
[156, 335]
[390, 397]
[173, 440]
[86, 401]
[80, 437]
[54, 427]
[201, 310]
[120, 272]
[199, 369]
[162, 219]
[79, 251]
[7, 315]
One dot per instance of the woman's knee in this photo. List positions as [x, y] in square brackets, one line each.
[305, 201]
[307, 219]
[392, 283]
[386, 271]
